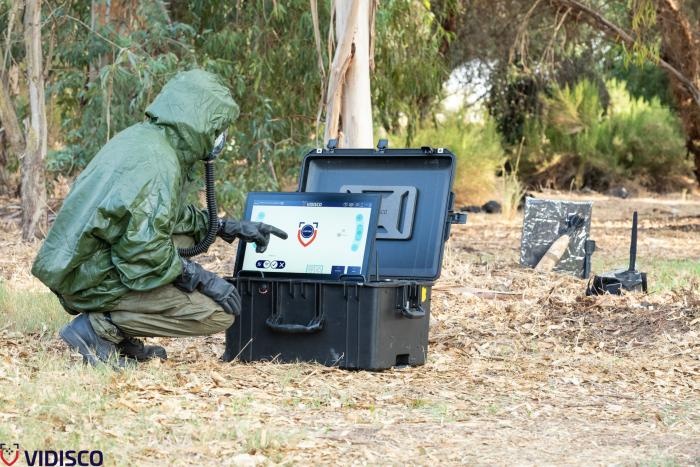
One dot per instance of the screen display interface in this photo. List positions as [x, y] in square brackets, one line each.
[326, 238]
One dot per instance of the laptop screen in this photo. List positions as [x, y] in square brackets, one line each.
[330, 234]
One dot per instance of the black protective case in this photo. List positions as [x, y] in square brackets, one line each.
[374, 324]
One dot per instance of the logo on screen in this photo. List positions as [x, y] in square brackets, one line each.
[307, 233]
[8, 454]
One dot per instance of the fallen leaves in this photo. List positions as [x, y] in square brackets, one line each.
[521, 369]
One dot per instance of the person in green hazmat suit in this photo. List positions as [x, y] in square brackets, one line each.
[111, 255]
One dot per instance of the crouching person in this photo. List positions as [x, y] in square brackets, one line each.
[111, 255]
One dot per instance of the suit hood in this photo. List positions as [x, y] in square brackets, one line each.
[193, 108]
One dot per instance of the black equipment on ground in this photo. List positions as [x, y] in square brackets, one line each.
[589, 249]
[628, 280]
[350, 322]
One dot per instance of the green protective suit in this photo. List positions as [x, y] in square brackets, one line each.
[113, 234]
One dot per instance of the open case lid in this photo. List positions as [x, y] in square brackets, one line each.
[417, 202]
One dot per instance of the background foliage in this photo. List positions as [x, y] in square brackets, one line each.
[574, 109]
[578, 142]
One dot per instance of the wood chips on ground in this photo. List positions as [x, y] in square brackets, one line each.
[522, 369]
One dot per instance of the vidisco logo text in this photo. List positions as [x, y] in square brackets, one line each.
[11, 453]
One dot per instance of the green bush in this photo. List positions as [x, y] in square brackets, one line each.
[478, 150]
[646, 140]
[573, 118]
[578, 143]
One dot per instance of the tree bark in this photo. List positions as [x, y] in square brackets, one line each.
[34, 218]
[338, 69]
[349, 99]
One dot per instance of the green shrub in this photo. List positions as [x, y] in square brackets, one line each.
[478, 150]
[646, 140]
[573, 128]
[579, 143]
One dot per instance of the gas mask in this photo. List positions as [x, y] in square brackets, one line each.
[219, 144]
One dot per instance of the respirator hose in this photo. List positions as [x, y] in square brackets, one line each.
[212, 210]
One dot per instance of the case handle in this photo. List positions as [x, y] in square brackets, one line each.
[412, 313]
[274, 321]
[315, 325]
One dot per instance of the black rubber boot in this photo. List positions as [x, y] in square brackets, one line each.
[132, 347]
[80, 336]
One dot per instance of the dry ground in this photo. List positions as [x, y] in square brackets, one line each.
[537, 374]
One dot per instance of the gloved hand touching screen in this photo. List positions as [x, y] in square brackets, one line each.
[247, 231]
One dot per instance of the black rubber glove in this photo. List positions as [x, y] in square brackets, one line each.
[247, 231]
[195, 277]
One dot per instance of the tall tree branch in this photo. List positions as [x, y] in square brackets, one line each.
[617, 34]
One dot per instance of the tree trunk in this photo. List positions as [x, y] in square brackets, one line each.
[34, 218]
[349, 100]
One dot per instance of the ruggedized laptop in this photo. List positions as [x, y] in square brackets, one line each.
[331, 235]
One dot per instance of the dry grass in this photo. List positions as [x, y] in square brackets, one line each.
[535, 375]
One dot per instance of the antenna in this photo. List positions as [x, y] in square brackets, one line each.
[633, 243]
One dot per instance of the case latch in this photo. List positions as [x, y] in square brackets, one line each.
[453, 218]
[457, 217]
[332, 144]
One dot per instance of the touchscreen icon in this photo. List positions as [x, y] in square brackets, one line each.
[337, 271]
[307, 233]
[267, 264]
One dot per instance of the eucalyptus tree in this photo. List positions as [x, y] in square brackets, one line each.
[105, 60]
